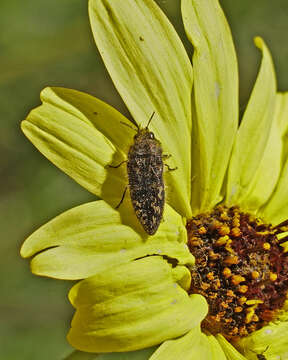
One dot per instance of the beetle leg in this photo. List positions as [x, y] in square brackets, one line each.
[122, 198]
[166, 156]
[116, 166]
[169, 168]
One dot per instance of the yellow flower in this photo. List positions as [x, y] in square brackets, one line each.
[140, 290]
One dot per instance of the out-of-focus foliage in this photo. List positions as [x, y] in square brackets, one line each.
[50, 43]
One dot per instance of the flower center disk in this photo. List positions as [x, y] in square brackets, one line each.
[240, 268]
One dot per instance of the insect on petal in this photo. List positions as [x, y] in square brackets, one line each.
[78, 243]
[81, 135]
[152, 72]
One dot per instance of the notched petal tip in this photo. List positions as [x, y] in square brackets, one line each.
[81, 135]
[183, 277]
[128, 308]
[92, 237]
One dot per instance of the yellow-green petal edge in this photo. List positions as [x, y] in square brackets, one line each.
[276, 208]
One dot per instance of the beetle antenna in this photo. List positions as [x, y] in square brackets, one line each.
[150, 119]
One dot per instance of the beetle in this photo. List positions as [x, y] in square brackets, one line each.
[145, 178]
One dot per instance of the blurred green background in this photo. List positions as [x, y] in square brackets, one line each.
[49, 43]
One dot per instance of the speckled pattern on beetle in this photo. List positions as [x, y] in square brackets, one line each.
[145, 174]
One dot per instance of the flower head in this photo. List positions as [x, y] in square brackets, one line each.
[219, 256]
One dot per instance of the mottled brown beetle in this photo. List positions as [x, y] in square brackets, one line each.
[145, 176]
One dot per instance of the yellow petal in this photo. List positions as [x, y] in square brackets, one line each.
[271, 341]
[285, 246]
[215, 99]
[152, 72]
[81, 135]
[90, 238]
[229, 350]
[276, 208]
[193, 345]
[269, 167]
[132, 306]
[255, 161]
